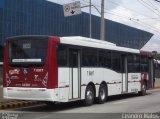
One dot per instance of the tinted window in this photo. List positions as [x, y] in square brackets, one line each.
[144, 64]
[27, 51]
[62, 56]
[116, 61]
[1, 53]
[73, 58]
[133, 63]
[104, 58]
[89, 57]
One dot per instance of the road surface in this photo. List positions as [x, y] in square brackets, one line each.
[115, 107]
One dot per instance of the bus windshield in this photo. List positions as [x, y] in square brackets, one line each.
[27, 51]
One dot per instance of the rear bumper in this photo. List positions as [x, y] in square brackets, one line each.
[38, 94]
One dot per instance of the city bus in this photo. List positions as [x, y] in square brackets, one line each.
[65, 69]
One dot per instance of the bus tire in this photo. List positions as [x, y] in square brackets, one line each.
[143, 90]
[103, 94]
[89, 96]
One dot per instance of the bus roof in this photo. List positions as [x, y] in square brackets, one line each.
[146, 53]
[89, 42]
[83, 41]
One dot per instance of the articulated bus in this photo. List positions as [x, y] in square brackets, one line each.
[64, 69]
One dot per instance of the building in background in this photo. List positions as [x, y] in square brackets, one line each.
[41, 17]
[23, 17]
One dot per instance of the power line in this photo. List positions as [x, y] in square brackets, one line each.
[157, 0]
[144, 24]
[128, 8]
[155, 19]
[131, 19]
[137, 21]
[124, 7]
[146, 6]
[153, 4]
[140, 22]
[150, 5]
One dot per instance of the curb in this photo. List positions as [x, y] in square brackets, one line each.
[6, 104]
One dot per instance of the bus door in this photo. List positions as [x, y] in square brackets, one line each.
[74, 80]
[124, 74]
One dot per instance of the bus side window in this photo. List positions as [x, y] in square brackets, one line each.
[108, 59]
[62, 56]
[116, 61]
[85, 59]
[89, 57]
[144, 64]
[137, 63]
[104, 59]
[133, 63]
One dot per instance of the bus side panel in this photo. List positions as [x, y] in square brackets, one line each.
[63, 83]
[114, 81]
[112, 78]
[97, 76]
[114, 89]
[85, 79]
[134, 82]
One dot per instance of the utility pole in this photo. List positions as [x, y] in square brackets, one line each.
[90, 20]
[102, 29]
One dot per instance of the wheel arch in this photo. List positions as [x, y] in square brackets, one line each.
[104, 83]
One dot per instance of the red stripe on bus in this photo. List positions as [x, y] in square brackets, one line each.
[53, 69]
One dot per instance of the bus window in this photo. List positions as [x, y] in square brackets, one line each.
[25, 51]
[133, 63]
[62, 56]
[116, 61]
[144, 64]
[89, 57]
[104, 59]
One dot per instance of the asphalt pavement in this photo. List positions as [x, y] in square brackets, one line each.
[117, 107]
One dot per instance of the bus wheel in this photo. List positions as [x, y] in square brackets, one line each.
[102, 96]
[143, 90]
[89, 96]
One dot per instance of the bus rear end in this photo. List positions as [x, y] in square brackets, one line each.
[30, 69]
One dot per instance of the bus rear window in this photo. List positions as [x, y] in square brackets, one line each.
[27, 51]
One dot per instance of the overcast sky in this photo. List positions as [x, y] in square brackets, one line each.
[142, 14]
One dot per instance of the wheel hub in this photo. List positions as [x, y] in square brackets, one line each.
[89, 95]
[102, 94]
